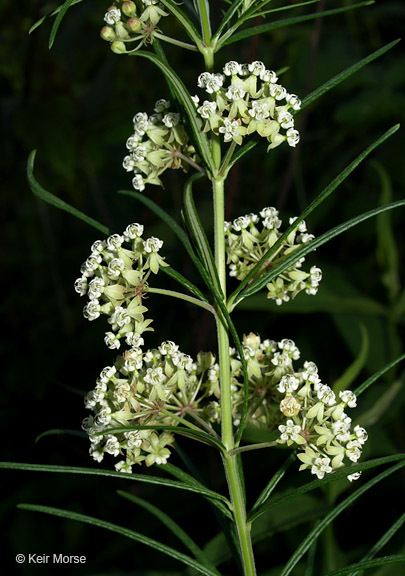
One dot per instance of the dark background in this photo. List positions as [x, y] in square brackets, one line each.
[74, 105]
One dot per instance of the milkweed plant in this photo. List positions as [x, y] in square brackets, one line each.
[150, 392]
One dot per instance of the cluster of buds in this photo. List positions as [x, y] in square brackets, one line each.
[114, 279]
[246, 99]
[294, 404]
[128, 22]
[159, 142]
[159, 387]
[249, 237]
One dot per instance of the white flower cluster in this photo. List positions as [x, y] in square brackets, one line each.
[249, 237]
[151, 388]
[128, 21]
[114, 279]
[159, 142]
[245, 99]
[303, 411]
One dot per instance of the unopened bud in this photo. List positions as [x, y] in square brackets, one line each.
[290, 406]
[129, 8]
[118, 47]
[108, 34]
[134, 24]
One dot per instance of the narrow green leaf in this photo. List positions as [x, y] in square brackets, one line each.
[229, 14]
[282, 8]
[263, 28]
[184, 282]
[385, 400]
[351, 373]
[183, 19]
[345, 74]
[385, 538]
[46, 196]
[266, 493]
[63, 9]
[173, 527]
[188, 432]
[176, 228]
[49, 15]
[340, 178]
[200, 137]
[364, 565]
[363, 387]
[241, 151]
[314, 534]
[198, 231]
[151, 543]
[61, 432]
[314, 244]
[111, 474]
[387, 249]
[337, 475]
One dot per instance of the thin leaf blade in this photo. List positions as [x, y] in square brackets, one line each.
[173, 527]
[49, 198]
[151, 543]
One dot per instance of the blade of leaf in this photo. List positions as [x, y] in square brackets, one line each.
[200, 137]
[263, 28]
[228, 16]
[385, 538]
[176, 229]
[266, 493]
[49, 15]
[363, 387]
[314, 204]
[364, 565]
[387, 249]
[337, 475]
[151, 543]
[61, 432]
[314, 534]
[345, 74]
[63, 9]
[198, 231]
[184, 282]
[385, 400]
[184, 20]
[173, 527]
[188, 432]
[351, 373]
[316, 243]
[46, 196]
[111, 474]
[282, 8]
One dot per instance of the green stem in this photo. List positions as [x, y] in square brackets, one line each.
[243, 528]
[205, 22]
[229, 458]
[182, 296]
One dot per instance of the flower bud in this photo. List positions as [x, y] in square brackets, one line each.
[128, 8]
[290, 406]
[134, 24]
[118, 47]
[108, 34]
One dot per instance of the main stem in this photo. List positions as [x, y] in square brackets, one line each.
[230, 460]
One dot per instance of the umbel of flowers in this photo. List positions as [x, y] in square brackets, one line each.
[159, 142]
[128, 22]
[249, 237]
[295, 404]
[248, 99]
[114, 278]
[157, 387]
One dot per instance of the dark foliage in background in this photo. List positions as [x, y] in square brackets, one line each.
[74, 104]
